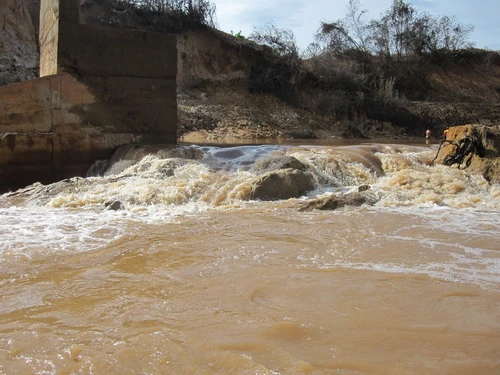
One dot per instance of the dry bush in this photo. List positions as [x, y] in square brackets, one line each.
[160, 15]
[281, 71]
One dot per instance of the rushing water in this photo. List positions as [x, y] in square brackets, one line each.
[190, 277]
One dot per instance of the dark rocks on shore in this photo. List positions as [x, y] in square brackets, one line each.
[353, 132]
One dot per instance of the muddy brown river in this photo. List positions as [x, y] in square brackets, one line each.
[190, 277]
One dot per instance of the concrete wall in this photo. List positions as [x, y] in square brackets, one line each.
[100, 88]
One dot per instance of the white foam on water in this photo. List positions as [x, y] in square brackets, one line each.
[468, 252]
[176, 186]
[474, 222]
[334, 168]
[411, 182]
[224, 177]
[466, 272]
[159, 189]
[28, 230]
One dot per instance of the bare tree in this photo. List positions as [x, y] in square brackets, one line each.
[399, 19]
[351, 32]
[451, 34]
[356, 23]
[403, 32]
[282, 41]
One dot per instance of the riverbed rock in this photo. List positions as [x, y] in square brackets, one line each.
[355, 197]
[278, 162]
[282, 184]
[114, 206]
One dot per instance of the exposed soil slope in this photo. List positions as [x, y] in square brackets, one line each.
[18, 51]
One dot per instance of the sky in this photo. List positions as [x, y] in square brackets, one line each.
[303, 17]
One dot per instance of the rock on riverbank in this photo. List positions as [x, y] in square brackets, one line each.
[483, 158]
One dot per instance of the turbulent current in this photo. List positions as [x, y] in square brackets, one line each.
[159, 262]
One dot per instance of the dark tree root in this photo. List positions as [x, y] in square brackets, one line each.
[468, 146]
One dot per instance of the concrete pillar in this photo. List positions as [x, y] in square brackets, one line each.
[56, 18]
[99, 88]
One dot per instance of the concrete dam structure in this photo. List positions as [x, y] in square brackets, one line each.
[99, 88]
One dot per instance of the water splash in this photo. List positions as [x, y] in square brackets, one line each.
[178, 179]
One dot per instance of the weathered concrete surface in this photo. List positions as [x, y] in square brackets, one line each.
[43, 135]
[100, 88]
